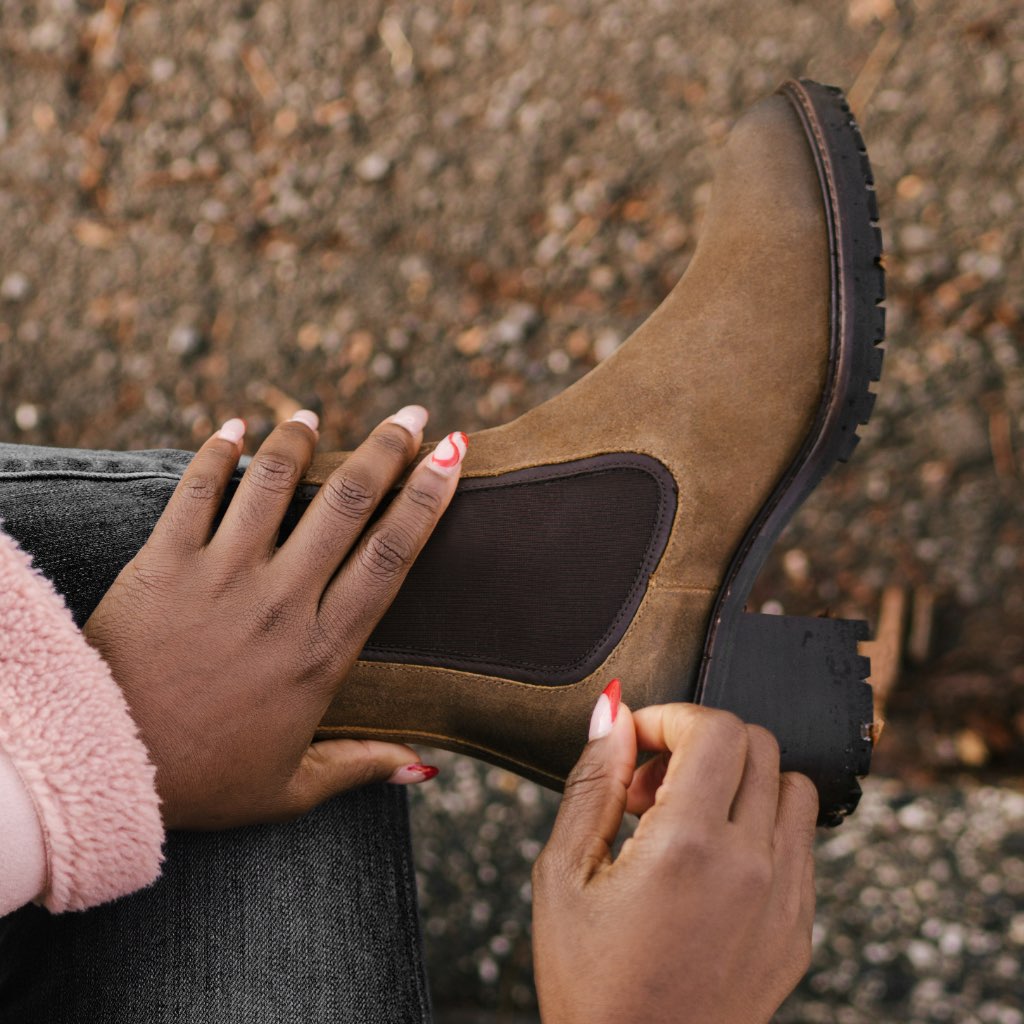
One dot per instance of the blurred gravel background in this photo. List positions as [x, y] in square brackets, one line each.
[212, 209]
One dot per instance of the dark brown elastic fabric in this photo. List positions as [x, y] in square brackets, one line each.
[533, 575]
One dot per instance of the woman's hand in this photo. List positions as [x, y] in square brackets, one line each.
[706, 914]
[229, 648]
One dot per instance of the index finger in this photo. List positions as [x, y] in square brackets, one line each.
[708, 753]
[187, 520]
[366, 584]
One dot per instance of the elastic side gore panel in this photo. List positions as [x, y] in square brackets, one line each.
[534, 575]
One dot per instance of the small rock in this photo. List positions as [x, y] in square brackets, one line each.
[308, 337]
[971, 749]
[15, 287]
[470, 341]
[516, 324]
[373, 168]
[161, 69]
[578, 343]
[26, 416]
[184, 340]
[796, 565]
[606, 343]
[382, 366]
[558, 361]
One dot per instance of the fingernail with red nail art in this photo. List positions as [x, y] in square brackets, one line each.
[412, 773]
[448, 455]
[309, 419]
[412, 417]
[233, 431]
[606, 710]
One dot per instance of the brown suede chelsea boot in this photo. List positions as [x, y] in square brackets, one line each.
[616, 530]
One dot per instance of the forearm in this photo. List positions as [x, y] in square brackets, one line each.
[84, 823]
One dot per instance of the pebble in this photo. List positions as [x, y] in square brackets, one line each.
[382, 366]
[26, 416]
[373, 167]
[606, 342]
[15, 287]
[184, 340]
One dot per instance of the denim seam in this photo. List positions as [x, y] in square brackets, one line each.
[84, 474]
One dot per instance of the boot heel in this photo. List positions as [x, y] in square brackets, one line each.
[803, 679]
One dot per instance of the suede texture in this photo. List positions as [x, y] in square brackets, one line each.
[722, 385]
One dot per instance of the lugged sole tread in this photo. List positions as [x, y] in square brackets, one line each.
[859, 281]
[868, 256]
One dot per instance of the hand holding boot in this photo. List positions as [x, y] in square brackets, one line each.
[229, 649]
[706, 914]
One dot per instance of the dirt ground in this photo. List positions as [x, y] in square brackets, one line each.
[213, 209]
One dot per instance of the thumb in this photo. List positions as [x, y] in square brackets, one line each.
[595, 792]
[334, 766]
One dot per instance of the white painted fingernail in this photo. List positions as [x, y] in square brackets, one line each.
[413, 773]
[605, 710]
[448, 455]
[233, 431]
[309, 418]
[412, 417]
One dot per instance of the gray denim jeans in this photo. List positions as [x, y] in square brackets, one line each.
[306, 922]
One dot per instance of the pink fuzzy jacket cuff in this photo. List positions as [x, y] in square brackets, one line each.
[70, 741]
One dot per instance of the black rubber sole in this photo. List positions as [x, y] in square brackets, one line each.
[804, 678]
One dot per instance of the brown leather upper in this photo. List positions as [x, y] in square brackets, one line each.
[722, 384]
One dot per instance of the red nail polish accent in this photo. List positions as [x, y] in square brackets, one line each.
[411, 774]
[613, 691]
[449, 453]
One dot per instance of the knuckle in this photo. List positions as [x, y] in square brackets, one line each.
[200, 488]
[423, 499]
[150, 575]
[361, 773]
[386, 555]
[270, 616]
[729, 730]
[587, 781]
[801, 797]
[223, 455]
[697, 846]
[754, 873]
[392, 443]
[802, 790]
[348, 496]
[320, 651]
[224, 579]
[274, 472]
[764, 742]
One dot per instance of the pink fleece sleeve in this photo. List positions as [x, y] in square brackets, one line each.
[70, 753]
[22, 850]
